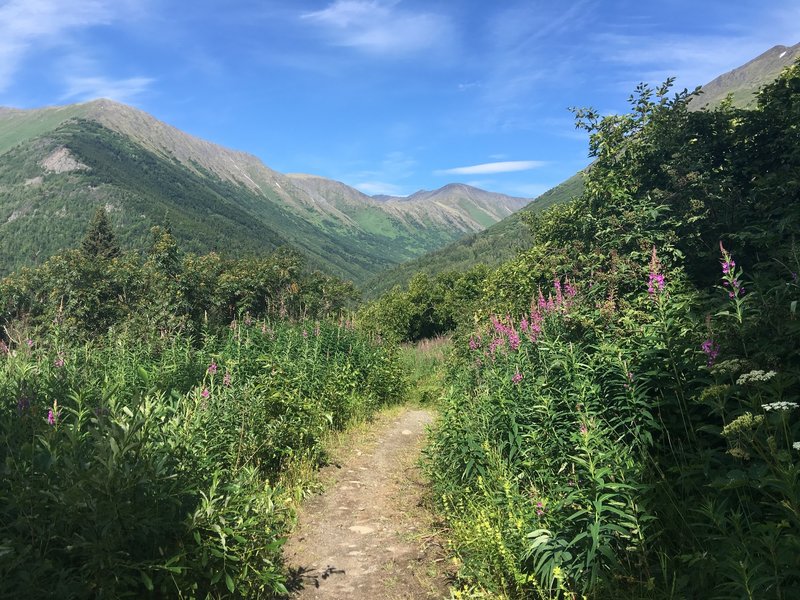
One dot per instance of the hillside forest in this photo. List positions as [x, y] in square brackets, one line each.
[618, 408]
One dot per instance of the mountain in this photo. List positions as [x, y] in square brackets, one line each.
[744, 82]
[491, 246]
[58, 164]
[503, 240]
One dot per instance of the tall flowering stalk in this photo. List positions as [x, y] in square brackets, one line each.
[731, 281]
[655, 281]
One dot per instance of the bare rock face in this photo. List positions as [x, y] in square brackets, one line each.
[62, 161]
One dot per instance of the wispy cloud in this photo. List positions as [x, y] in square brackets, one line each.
[122, 90]
[507, 166]
[381, 28]
[383, 188]
[697, 58]
[30, 25]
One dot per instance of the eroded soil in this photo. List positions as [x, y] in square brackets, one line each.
[369, 535]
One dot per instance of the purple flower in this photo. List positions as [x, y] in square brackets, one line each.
[305, 333]
[59, 361]
[583, 429]
[212, 368]
[711, 350]
[227, 379]
[29, 342]
[571, 291]
[655, 284]
[205, 393]
[513, 340]
[517, 377]
[53, 417]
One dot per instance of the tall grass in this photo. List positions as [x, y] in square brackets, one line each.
[133, 466]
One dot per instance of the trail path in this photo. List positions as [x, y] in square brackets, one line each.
[368, 536]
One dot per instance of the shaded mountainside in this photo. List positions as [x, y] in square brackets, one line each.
[57, 165]
[504, 239]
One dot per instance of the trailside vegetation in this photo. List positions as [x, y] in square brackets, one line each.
[161, 414]
[623, 419]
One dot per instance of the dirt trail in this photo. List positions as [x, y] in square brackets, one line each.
[368, 536]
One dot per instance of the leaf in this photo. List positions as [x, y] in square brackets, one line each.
[229, 583]
[148, 583]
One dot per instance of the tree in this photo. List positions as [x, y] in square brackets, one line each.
[100, 241]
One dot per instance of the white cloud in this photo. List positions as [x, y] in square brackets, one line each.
[29, 25]
[696, 59]
[381, 27]
[89, 88]
[507, 166]
[374, 188]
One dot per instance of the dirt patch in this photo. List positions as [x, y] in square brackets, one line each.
[369, 535]
[62, 161]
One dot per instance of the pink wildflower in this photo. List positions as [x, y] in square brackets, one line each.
[570, 289]
[711, 350]
[227, 379]
[513, 339]
[205, 393]
[212, 368]
[517, 377]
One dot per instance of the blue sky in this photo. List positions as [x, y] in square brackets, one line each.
[387, 96]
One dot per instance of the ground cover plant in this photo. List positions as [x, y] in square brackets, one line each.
[622, 419]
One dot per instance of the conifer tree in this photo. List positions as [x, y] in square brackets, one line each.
[100, 241]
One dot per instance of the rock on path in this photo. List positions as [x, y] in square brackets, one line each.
[368, 536]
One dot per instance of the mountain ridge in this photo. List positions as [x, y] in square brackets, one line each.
[341, 229]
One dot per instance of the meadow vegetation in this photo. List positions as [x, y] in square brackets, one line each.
[620, 418]
[160, 415]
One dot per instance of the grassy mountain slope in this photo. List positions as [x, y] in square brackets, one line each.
[58, 164]
[501, 241]
[744, 82]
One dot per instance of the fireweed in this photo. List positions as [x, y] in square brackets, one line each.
[159, 480]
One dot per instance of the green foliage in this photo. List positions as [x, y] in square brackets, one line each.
[164, 291]
[99, 243]
[427, 308]
[132, 466]
[634, 431]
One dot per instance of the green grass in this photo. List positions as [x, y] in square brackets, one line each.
[18, 127]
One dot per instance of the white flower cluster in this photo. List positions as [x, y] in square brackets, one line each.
[796, 445]
[780, 406]
[755, 376]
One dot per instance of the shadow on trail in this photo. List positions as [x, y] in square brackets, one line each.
[300, 577]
